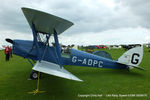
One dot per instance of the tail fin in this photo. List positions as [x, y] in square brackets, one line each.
[132, 58]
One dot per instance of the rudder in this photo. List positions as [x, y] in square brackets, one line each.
[132, 57]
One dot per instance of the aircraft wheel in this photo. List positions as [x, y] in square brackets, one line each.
[34, 75]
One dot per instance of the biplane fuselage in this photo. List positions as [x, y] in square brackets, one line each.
[74, 57]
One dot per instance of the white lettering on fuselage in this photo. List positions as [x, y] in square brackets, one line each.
[88, 62]
[74, 59]
[84, 61]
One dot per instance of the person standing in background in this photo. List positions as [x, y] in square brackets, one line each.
[10, 52]
[7, 53]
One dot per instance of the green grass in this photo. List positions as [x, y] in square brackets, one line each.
[15, 86]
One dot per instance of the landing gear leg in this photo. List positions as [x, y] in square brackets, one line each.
[36, 91]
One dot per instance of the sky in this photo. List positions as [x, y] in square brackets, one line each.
[96, 22]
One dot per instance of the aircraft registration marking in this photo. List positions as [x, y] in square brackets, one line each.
[88, 62]
[79, 60]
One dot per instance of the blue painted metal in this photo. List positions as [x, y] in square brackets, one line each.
[58, 50]
[22, 48]
[78, 58]
[30, 62]
[35, 42]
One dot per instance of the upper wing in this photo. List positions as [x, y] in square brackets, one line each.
[54, 69]
[46, 23]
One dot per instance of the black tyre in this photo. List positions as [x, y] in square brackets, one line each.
[34, 75]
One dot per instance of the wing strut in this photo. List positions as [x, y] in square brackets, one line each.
[35, 42]
[58, 49]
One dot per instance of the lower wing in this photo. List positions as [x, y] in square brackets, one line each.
[54, 69]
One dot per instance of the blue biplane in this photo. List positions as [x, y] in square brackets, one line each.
[50, 59]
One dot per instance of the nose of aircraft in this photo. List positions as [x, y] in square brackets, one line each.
[9, 40]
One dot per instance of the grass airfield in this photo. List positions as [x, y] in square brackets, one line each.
[98, 83]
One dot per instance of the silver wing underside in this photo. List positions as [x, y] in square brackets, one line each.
[54, 69]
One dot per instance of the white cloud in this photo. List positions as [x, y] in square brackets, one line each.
[136, 35]
[95, 22]
[13, 35]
